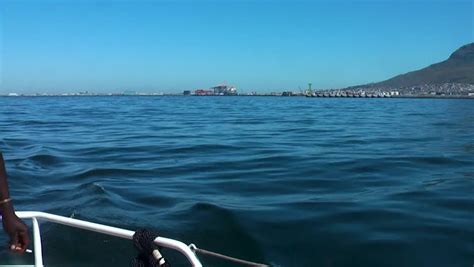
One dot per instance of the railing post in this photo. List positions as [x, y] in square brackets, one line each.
[37, 243]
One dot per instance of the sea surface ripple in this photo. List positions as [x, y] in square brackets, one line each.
[286, 181]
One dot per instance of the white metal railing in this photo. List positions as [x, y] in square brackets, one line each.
[95, 227]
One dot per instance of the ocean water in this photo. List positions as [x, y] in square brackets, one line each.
[285, 181]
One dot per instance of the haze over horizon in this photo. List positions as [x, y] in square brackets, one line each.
[165, 46]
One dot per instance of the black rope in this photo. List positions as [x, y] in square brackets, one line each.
[143, 241]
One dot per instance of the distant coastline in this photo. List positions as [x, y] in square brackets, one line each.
[285, 94]
[444, 90]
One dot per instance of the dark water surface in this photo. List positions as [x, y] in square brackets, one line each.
[286, 181]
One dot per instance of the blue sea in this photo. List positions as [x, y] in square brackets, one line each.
[285, 181]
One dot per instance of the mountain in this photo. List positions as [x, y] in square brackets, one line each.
[458, 68]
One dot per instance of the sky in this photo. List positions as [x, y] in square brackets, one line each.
[170, 46]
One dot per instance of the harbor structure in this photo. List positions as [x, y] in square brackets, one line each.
[221, 89]
[203, 92]
[224, 89]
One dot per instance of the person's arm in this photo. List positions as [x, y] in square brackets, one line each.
[12, 225]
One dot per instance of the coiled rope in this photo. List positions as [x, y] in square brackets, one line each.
[148, 253]
[225, 257]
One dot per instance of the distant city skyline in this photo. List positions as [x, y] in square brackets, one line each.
[264, 46]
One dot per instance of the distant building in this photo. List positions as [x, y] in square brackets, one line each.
[394, 93]
[202, 92]
[288, 93]
[224, 90]
[221, 89]
[187, 92]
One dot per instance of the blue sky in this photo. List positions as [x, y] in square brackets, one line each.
[169, 46]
